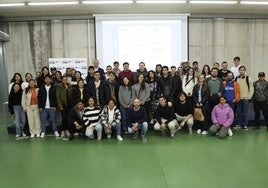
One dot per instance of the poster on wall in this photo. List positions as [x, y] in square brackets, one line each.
[79, 64]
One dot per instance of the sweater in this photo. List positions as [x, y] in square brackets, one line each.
[245, 91]
[183, 109]
[105, 116]
[91, 116]
[14, 99]
[129, 74]
[138, 93]
[166, 112]
[222, 114]
[125, 95]
[134, 116]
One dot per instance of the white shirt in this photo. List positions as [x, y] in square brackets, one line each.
[235, 70]
[47, 100]
[111, 115]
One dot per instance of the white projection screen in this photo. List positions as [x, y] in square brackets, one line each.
[152, 39]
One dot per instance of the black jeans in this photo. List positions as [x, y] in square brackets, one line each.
[258, 107]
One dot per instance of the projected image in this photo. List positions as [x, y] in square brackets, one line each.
[147, 44]
[152, 41]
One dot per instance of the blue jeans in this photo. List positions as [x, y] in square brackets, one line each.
[44, 114]
[143, 127]
[19, 119]
[117, 128]
[124, 117]
[242, 112]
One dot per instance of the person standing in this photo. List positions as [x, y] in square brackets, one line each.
[47, 105]
[223, 72]
[110, 89]
[201, 97]
[126, 73]
[141, 70]
[246, 92]
[141, 91]
[15, 108]
[260, 100]
[64, 98]
[125, 100]
[29, 103]
[235, 68]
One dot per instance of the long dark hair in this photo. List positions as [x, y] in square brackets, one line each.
[14, 78]
[127, 86]
[28, 88]
[148, 76]
[12, 89]
[187, 75]
[203, 70]
[142, 83]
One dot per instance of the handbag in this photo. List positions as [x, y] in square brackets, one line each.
[198, 114]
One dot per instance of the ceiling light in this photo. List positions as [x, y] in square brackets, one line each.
[106, 2]
[53, 3]
[254, 2]
[213, 2]
[160, 2]
[11, 4]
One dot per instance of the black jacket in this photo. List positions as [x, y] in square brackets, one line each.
[42, 96]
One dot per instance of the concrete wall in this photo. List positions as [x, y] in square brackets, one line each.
[210, 40]
[217, 40]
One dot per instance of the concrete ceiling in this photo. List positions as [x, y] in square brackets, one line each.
[70, 10]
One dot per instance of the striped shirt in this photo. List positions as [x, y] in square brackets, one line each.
[91, 116]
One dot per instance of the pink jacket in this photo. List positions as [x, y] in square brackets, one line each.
[222, 114]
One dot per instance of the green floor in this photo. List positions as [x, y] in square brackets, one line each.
[188, 161]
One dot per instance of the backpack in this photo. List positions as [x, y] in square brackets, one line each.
[247, 81]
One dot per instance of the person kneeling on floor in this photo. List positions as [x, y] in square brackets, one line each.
[75, 119]
[222, 117]
[91, 119]
[110, 119]
[137, 120]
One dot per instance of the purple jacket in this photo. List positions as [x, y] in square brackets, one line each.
[222, 114]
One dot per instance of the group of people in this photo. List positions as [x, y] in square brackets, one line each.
[114, 101]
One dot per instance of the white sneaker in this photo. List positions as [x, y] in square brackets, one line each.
[24, 135]
[62, 134]
[204, 133]
[109, 136]
[37, 135]
[67, 133]
[198, 131]
[17, 136]
[56, 134]
[230, 132]
[76, 134]
[42, 135]
[32, 135]
[190, 131]
[119, 138]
